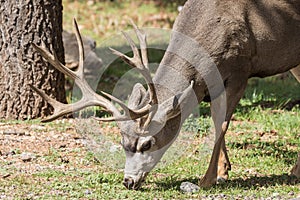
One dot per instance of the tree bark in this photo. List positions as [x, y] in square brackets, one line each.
[21, 23]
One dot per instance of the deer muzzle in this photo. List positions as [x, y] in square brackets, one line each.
[134, 183]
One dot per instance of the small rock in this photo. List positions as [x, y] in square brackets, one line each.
[27, 133]
[222, 196]
[14, 132]
[275, 194]
[37, 127]
[291, 193]
[189, 187]
[27, 157]
[87, 192]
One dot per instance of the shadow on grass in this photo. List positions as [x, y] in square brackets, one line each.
[167, 184]
[253, 182]
[275, 149]
[272, 92]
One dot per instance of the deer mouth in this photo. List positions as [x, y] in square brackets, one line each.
[135, 183]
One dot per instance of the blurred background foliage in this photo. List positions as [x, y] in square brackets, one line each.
[101, 18]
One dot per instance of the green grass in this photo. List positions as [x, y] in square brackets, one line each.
[262, 145]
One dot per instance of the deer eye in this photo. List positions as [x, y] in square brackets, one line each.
[146, 146]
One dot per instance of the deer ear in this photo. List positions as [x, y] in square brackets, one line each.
[181, 101]
[137, 96]
[176, 105]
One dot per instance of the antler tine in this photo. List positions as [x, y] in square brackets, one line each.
[52, 59]
[51, 101]
[89, 97]
[80, 70]
[139, 62]
[143, 43]
[131, 114]
[60, 109]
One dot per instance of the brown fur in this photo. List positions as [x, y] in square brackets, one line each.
[245, 39]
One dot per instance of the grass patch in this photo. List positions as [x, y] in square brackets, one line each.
[262, 145]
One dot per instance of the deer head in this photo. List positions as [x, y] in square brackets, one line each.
[144, 123]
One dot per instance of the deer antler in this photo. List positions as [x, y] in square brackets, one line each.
[91, 98]
[140, 62]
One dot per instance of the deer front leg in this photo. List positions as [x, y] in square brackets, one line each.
[210, 177]
[224, 164]
[233, 94]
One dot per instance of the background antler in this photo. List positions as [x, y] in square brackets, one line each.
[90, 97]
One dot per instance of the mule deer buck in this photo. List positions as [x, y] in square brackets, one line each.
[215, 47]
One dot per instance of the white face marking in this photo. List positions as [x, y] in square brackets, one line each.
[139, 164]
[145, 140]
[144, 152]
[142, 162]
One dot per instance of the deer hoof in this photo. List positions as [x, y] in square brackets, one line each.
[221, 180]
[207, 182]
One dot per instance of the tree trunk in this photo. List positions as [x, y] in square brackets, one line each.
[21, 23]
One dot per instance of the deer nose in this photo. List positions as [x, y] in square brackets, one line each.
[128, 183]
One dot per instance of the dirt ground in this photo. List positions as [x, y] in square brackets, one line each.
[29, 148]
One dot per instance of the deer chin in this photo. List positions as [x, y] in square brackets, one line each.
[138, 165]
